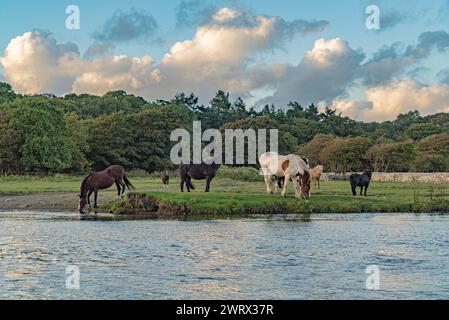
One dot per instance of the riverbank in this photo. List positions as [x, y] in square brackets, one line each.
[228, 197]
[333, 197]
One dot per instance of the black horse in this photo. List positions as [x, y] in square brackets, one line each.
[360, 180]
[197, 172]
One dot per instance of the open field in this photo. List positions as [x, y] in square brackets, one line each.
[227, 197]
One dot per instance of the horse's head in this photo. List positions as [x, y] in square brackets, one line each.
[82, 203]
[305, 185]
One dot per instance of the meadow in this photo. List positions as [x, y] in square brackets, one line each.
[238, 192]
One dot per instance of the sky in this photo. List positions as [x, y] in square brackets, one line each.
[267, 52]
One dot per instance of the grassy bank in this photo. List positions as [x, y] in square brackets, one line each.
[241, 198]
[233, 196]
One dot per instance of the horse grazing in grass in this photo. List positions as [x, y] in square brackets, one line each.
[165, 177]
[315, 174]
[360, 180]
[197, 172]
[285, 168]
[103, 180]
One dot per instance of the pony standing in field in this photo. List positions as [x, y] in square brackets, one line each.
[165, 177]
[360, 180]
[103, 180]
[197, 172]
[286, 167]
[315, 174]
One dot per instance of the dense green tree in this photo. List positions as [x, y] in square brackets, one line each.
[78, 133]
[7, 94]
[9, 144]
[344, 154]
[312, 149]
[395, 156]
[418, 131]
[44, 134]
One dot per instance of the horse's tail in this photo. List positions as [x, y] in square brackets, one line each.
[191, 186]
[128, 183]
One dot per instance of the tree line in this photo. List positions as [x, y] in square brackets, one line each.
[79, 133]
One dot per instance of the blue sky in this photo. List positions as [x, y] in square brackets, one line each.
[344, 20]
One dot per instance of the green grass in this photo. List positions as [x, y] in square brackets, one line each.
[250, 198]
[60, 183]
[231, 197]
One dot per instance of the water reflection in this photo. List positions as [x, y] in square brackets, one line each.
[269, 257]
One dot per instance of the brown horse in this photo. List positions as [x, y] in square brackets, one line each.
[103, 180]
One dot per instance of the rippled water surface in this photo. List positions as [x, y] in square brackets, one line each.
[282, 257]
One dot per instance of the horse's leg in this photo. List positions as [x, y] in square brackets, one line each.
[366, 189]
[277, 183]
[286, 180]
[188, 181]
[361, 190]
[119, 189]
[183, 179]
[267, 183]
[319, 187]
[209, 179]
[88, 198]
[95, 198]
[353, 189]
[296, 185]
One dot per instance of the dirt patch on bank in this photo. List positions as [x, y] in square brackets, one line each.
[47, 201]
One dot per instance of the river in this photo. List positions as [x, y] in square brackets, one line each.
[276, 257]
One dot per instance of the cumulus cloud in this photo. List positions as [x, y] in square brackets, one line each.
[393, 61]
[217, 57]
[385, 102]
[36, 63]
[127, 25]
[220, 56]
[98, 49]
[324, 73]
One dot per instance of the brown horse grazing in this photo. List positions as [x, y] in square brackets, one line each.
[197, 172]
[103, 180]
[165, 177]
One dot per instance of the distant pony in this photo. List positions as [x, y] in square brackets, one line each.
[315, 174]
[360, 180]
[165, 177]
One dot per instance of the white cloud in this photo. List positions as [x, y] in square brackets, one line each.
[385, 102]
[324, 73]
[217, 57]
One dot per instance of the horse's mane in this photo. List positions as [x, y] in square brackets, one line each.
[369, 173]
[83, 184]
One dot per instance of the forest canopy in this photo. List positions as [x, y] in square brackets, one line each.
[79, 133]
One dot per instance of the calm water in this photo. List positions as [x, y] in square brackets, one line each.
[293, 257]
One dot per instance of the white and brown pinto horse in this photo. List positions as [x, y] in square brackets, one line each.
[290, 167]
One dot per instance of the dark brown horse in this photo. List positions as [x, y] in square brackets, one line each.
[103, 180]
[197, 172]
[165, 177]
